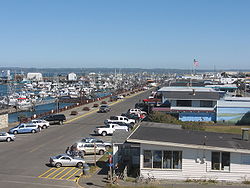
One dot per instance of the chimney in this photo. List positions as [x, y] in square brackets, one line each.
[245, 134]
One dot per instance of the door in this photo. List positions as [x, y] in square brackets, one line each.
[21, 129]
[66, 161]
[89, 148]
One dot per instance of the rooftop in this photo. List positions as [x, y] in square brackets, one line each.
[188, 138]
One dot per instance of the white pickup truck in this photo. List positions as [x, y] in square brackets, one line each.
[114, 119]
[108, 129]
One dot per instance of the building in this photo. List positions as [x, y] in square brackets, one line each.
[233, 110]
[34, 76]
[177, 154]
[72, 77]
[189, 103]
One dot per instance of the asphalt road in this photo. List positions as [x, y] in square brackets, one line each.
[23, 162]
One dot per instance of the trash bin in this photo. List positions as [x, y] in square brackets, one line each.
[85, 169]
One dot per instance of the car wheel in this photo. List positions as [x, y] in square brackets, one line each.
[101, 152]
[104, 133]
[15, 132]
[44, 127]
[58, 165]
[79, 165]
[107, 147]
[33, 131]
[8, 139]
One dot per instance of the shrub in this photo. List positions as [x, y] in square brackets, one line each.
[73, 113]
[86, 108]
[161, 117]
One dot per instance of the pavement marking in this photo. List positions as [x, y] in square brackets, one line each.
[60, 172]
[64, 173]
[73, 174]
[46, 172]
[76, 118]
[52, 172]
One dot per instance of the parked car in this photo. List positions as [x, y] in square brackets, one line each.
[43, 124]
[55, 118]
[97, 141]
[119, 119]
[120, 97]
[136, 117]
[136, 111]
[130, 126]
[65, 160]
[7, 137]
[109, 129]
[90, 148]
[25, 128]
[104, 108]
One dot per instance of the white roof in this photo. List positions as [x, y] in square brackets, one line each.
[187, 89]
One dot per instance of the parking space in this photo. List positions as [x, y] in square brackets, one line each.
[63, 173]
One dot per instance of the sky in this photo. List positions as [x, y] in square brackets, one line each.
[167, 34]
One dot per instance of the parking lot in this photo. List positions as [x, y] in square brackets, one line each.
[27, 157]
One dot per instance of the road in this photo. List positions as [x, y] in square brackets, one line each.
[23, 162]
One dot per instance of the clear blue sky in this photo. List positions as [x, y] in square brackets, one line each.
[125, 33]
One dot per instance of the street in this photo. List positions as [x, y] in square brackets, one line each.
[24, 162]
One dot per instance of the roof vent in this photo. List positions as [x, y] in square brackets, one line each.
[245, 134]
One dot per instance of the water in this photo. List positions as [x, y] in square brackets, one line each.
[38, 110]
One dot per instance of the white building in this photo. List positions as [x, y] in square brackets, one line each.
[35, 76]
[177, 154]
[72, 77]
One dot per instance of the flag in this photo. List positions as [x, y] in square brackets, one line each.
[196, 63]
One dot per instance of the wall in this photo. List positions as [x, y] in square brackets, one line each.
[3, 121]
[193, 169]
[194, 116]
[232, 111]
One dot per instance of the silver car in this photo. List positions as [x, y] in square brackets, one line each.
[97, 141]
[66, 160]
[90, 148]
[7, 137]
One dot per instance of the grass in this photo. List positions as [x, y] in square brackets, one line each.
[225, 129]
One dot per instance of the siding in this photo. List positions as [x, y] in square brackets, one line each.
[191, 169]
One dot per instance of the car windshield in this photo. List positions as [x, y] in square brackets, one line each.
[58, 156]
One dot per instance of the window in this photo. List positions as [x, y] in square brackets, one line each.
[221, 161]
[183, 103]
[157, 159]
[162, 159]
[206, 103]
[172, 159]
[147, 159]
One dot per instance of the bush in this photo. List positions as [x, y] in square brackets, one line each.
[73, 113]
[95, 105]
[86, 109]
[161, 117]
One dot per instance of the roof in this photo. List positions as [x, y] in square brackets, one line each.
[187, 89]
[190, 139]
[120, 136]
[192, 95]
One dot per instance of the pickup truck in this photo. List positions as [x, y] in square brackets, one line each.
[119, 119]
[108, 129]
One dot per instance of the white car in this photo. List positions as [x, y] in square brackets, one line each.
[43, 124]
[121, 119]
[7, 137]
[136, 111]
[109, 129]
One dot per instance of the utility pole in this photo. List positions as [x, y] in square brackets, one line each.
[95, 153]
